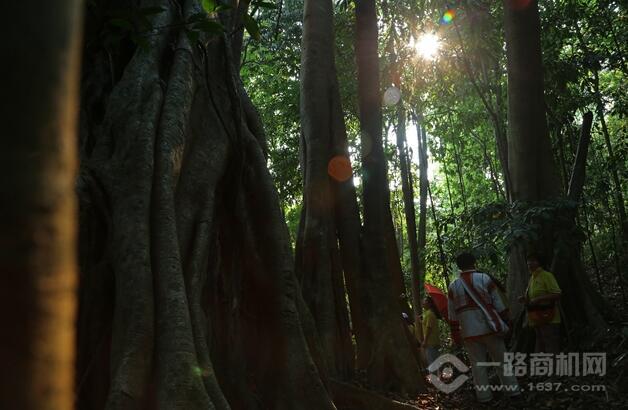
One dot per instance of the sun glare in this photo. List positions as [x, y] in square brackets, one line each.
[427, 46]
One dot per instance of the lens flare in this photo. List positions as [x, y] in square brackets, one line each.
[427, 46]
[448, 17]
[392, 95]
[339, 168]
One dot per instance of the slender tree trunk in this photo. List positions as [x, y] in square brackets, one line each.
[459, 173]
[392, 364]
[393, 259]
[449, 195]
[588, 232]
[618, 191]
[410, 213]
[583, 302]
[499, 193]
[501, 141]
[38, 204]
[561, 156]
[439, 239]
[423, 186]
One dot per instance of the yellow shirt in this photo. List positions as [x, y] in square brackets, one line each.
[542, 283]
[430, 328]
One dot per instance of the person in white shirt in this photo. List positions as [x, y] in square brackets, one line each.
[476, 307]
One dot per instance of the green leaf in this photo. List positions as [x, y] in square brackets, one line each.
[223, 7]
[252, 27]
[209, 5]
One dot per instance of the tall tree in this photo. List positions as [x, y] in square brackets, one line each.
[410, 213]
[423, 186]
[187, 269]
[531, 164]
[326, 166]
[38, 204]
[392, 362]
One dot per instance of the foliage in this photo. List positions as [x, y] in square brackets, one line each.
[461, 100]
[270, 69]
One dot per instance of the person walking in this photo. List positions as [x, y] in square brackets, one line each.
[478, 311]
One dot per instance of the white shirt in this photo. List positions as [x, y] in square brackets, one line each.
[463, 309]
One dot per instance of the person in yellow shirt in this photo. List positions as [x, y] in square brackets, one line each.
[431, 332]
[541, 301]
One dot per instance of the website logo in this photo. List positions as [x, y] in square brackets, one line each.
[458, 381]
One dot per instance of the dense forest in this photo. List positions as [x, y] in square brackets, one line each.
[245, 204]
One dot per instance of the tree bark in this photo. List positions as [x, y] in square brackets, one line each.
[410, 213]
[319, 265]
[423, 186]
[528, 133]
[533, 172]
[392, 364]
[530, 161]
[178, 205]
[38, 204]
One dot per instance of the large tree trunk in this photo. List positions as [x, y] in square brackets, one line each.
[38, 205]
[181, 220]
[532, 168]
[530, 160]
[392, 364]
[319, 262]
[528, 134]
